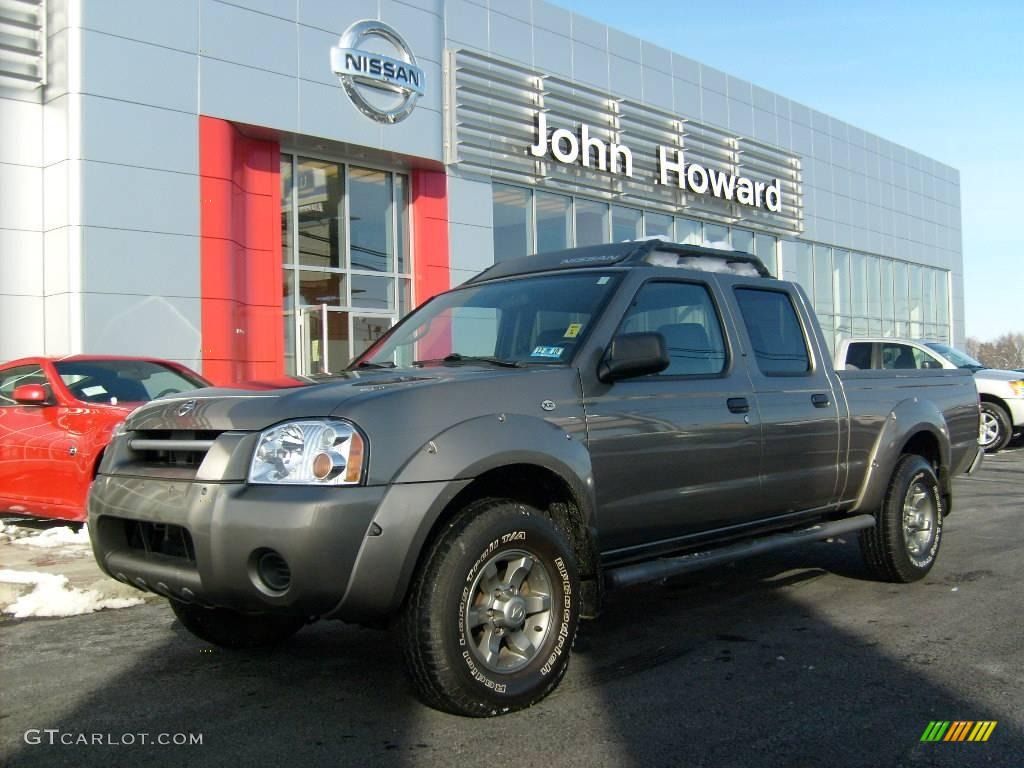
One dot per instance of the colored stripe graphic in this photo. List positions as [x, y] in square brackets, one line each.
[959, 730]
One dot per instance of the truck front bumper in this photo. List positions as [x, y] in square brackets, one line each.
[284, 549]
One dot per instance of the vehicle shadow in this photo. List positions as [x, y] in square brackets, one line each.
[741, 665]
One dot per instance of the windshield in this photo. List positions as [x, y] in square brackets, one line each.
[123, 381]
[533, 320]
[956, 357]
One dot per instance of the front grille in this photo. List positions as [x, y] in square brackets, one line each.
[180, 449]
[159, 538]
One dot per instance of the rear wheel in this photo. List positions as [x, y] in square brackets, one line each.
[903, 544]
[492, 615]
[231, 629]
[995, 427]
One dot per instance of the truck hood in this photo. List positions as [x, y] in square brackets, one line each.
[257, 405]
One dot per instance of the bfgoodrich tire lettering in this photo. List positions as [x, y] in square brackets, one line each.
[903, 545]
[491, 616]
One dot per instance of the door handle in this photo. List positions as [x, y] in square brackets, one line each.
[820, 401]
[738, 404]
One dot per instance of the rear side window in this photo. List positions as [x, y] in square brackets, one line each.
[684, 314]
[775, 332]
[858, 355]
[897, 357]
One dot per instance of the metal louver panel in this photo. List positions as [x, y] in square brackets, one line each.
[22, 43]
[491, 114]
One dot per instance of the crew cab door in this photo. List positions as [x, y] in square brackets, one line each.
[796, 398]
[675, 452]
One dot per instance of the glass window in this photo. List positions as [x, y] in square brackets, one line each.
[886, 290]
[774, 331]
[287, 255]
[901, 294]
[404, 296]
[369, 213]
[765, 248]
[823, 280]
[928, 295]
[689, 232]
[859, 284]
[366, 330]
[322, 288]
[402, 212]
[841, 280]
[915, 293]
[554, 222]
[684, 314]
[627, 224]
[942, 298]
[319, 196]
[906, 357]
[591, 222]
[798, 259]
[873, 288]
[658, 225]
[123, 381]
[716, 236]
[512, 222]
[742, 240]
[373, 293]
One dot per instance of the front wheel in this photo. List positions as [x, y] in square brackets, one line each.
[903, 544]
[995, 427]
[492, 615]
[230, 629]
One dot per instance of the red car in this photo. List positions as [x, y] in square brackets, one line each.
[57, 416]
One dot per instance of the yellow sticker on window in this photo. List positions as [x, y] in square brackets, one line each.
[573, 331]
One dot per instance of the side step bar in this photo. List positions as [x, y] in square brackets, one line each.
[662, 568]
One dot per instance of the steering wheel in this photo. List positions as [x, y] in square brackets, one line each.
[170, 391]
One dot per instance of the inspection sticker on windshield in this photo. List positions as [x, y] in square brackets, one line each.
[547, 352]
[603, 280]
[573, 330]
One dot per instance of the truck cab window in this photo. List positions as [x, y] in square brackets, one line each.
[775, 332]
[684, 314]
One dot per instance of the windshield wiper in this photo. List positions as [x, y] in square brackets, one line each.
[368, 364]
[455, 357]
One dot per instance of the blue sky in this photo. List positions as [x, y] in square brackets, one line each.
[945, 79]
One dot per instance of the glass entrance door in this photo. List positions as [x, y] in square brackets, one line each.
[346, 259]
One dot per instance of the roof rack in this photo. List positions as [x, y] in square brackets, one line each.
[652, 252]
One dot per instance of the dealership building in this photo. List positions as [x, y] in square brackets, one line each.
[260, 187]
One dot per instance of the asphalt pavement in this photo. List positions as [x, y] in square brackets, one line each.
[786, 661]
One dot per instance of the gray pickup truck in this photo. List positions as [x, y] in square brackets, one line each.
[559, 425]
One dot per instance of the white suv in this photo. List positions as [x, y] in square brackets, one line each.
[1001, 392]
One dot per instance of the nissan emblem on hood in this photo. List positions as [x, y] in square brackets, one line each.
[186, 408]
[384, 88]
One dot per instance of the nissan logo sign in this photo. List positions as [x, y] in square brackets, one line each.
[384, 88]
[186, 408]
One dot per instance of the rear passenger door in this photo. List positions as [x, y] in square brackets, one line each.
[676, 452]
[798, 408]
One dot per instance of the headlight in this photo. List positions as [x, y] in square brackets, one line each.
[1017, 387]
[312, 452]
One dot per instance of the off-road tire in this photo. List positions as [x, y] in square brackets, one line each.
[885, 547]
[230, 629]
[441, 628]
[996, 416]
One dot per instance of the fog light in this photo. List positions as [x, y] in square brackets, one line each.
[273, 571]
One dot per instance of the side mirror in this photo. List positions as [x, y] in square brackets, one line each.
[634, 354]
[29, 394]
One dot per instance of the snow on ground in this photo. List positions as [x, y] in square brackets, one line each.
[50, 538]
[52, 595]
[50, 572]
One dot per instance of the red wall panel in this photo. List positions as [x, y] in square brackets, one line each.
[240, 253]
[430, 234]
